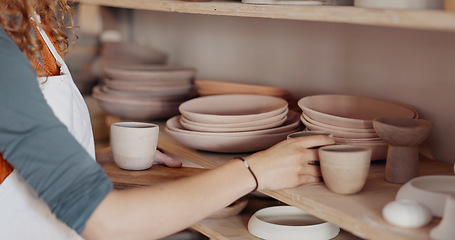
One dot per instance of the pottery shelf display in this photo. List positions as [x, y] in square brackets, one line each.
[233, 123]
[138, 85]
[350, 119]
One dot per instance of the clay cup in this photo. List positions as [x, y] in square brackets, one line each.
[134, 144]
[344, 168]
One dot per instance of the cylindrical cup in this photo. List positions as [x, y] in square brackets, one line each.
[344, 168]
[134, 144]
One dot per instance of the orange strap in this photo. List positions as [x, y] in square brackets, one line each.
[5, 168]
[50, 67]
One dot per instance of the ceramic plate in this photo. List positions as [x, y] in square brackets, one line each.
[160, 75]
[232, 108]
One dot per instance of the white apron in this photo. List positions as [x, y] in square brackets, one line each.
[23, 215]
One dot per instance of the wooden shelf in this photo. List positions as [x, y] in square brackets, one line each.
[413, 19]
[359, 214]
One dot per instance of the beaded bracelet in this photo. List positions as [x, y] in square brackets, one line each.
[251, 171]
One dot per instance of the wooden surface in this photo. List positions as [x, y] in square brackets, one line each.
[359, 214]
[415, 19]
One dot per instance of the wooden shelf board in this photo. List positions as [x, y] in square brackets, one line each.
[413, 19]
[360, 214]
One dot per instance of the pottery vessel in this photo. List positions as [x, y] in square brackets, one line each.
[124, 52]
[352, 111]
[338, 132]
[286, 222]
[430, 191]
[232, 108]
[403, 136]
[134, 144]
[344, 168]
[445, 230]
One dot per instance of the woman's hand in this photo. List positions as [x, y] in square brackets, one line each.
[285, 165]
[161, 158]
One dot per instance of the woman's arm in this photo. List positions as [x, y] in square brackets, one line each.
[158, 211]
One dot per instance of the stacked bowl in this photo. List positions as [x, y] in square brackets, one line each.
[138, 86]
[233, 123]
[350, 118]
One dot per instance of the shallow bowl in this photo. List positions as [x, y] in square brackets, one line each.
[286, 222]
[338, 132]
[232, 108]
[156, 74]
[352, 111]
[430, 191]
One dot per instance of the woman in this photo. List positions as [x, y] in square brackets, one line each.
[51, 187]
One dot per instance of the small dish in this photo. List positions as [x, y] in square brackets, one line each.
[287, 222]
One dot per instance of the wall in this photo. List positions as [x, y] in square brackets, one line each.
[409, 66]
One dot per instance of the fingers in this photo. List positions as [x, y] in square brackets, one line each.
[309, 179]
[311, 170]
[312, 141]
[162, 158]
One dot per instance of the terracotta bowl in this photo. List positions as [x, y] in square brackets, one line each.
[130, 88]
[352, 111]
[430, 191]
[224, 142]
[287, 222]
[265, 123]
[292, 123]
[337, 132]
[135, 109]
[157, 74]
[232, 108]
[123, 52]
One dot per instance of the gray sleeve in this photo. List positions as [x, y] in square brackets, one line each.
[41, 148]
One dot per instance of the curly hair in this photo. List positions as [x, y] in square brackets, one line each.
[54, 14]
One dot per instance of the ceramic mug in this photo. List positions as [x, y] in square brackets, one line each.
[134, 144]
[344, 168]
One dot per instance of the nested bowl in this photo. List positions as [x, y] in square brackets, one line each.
[232, 108]
[157, 74]
[352, 111]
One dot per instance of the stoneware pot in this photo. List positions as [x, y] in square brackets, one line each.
[134, 144]
[403, 136]
[344, 168]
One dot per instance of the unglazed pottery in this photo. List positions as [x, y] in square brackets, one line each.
[344, 168]
[233, 142]
[287, 222]
[337, 128]
[144, 90]
[265, 123]
[378, 148]
[400, 4]
[406, 213]
[352, 111]
[445, 230]
[134, 144]
[158, 74]
[136, 109]
[430, 191]
[403, 136]
[338, 132]
[232, 108]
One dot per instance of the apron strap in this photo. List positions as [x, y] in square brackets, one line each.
[50, 67]
[5, 168]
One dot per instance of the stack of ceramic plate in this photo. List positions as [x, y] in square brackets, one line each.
[350, 118]
[233, 122]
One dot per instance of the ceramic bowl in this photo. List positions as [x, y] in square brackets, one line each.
[352, 111]
[123, 52]
[336, 128]
[430, 191]
[135, 109]
[292, 123]
[286, 222]
[208, 87]
[400, 4]
[235, 142]
[344, 168]
[160, 75]
[232, 108]
[337, 132]
[131, 88]
[265, 123]
[378, 149]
